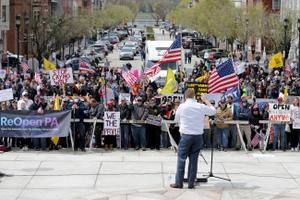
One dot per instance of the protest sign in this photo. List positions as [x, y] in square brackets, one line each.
[279, 112]
[61, 76]
[169, 97]
[6, 95]
[2, 73]
[153, 120]
[263, 103]
[239, 67]
[296, 121]
[111, 123]
[199, 88]
[30, 124]
[234, 93]
[124, 95]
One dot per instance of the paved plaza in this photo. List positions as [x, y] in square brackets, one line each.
[137, 175]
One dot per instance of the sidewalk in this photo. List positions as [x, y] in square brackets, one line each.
[137, 175]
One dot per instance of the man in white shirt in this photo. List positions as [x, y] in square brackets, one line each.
[24, 103]
[190, 117]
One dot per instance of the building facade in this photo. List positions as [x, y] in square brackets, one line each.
[33, 9]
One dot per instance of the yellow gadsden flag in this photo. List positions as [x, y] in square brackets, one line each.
[49, 65]
[276, 61]
[171, 83]
[57, 106]
[201, 78]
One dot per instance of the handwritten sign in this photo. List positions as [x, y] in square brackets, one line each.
[199, 88]
[279, 112]
[153, 120]
[6, 95]
[169, 97]
[111, 123]
[61, 76]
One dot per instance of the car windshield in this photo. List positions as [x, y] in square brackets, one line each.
[126, 50]
[129, 45]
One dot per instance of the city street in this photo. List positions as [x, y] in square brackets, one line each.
[136, 175]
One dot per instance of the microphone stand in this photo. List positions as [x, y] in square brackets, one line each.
[211, 174]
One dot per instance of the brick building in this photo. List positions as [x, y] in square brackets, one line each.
[36, 8]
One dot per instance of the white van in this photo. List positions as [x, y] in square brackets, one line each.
[154, 52]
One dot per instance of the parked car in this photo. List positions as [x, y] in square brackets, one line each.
[133, 45]
[74, 62]
[100, 47]
[198, 45]
[93, 53]
[126, 53]
[112, 39]
[110, 47]
[214, 53]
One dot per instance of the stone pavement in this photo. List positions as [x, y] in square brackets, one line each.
[137, 175]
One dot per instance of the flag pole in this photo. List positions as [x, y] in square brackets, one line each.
[182, 50]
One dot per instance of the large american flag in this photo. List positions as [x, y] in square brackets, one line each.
[222, 78]
[129, 77]
[173, 54]
[24, 66]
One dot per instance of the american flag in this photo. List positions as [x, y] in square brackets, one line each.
[86, 67]
[24, 66]
[255, 140]
[173, 54]
[37, 77]
[222, 78]
[129, 77]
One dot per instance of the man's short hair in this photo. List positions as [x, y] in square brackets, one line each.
[189, 94]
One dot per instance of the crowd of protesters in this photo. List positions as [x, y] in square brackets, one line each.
[93, 94]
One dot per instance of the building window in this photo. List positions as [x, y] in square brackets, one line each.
[275, 4]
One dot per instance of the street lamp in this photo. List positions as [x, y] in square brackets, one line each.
[285, 26]
[18, 24]
[246, 46]
[27, 35]
[298, 24]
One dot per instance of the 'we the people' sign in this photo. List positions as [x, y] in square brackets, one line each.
[111, 123]
[61, 76]
[279, 112]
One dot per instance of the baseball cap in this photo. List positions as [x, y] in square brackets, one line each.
[25, 93]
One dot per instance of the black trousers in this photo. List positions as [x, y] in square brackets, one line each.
[80, 135]
[153, 133]
[295, 137]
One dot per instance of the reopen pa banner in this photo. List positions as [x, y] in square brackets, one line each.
[30, 124]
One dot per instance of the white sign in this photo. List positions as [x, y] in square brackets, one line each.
[6, 95]
[2, 73]
[124, 96]
[111, 123]
[239, 67]
[61, 76]
[296, 122]
[170, 97]
[279, 112]
[4, 17]
[216, 97]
